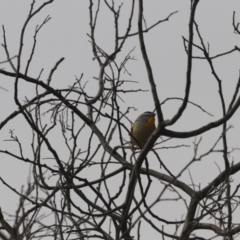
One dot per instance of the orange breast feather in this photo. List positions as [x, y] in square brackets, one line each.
[150, 122]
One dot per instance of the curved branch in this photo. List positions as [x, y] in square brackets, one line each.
[216, 229]
[189, 68]
[163, 177]
[147, 64]
[219, 179]
[205, 128]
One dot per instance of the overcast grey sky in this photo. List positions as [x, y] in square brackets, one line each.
[65, 35]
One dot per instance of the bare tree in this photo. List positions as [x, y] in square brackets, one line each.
[71, 195]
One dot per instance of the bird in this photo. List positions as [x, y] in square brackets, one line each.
[142, 129]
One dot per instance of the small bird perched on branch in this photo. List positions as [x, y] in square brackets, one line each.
[142, 129]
